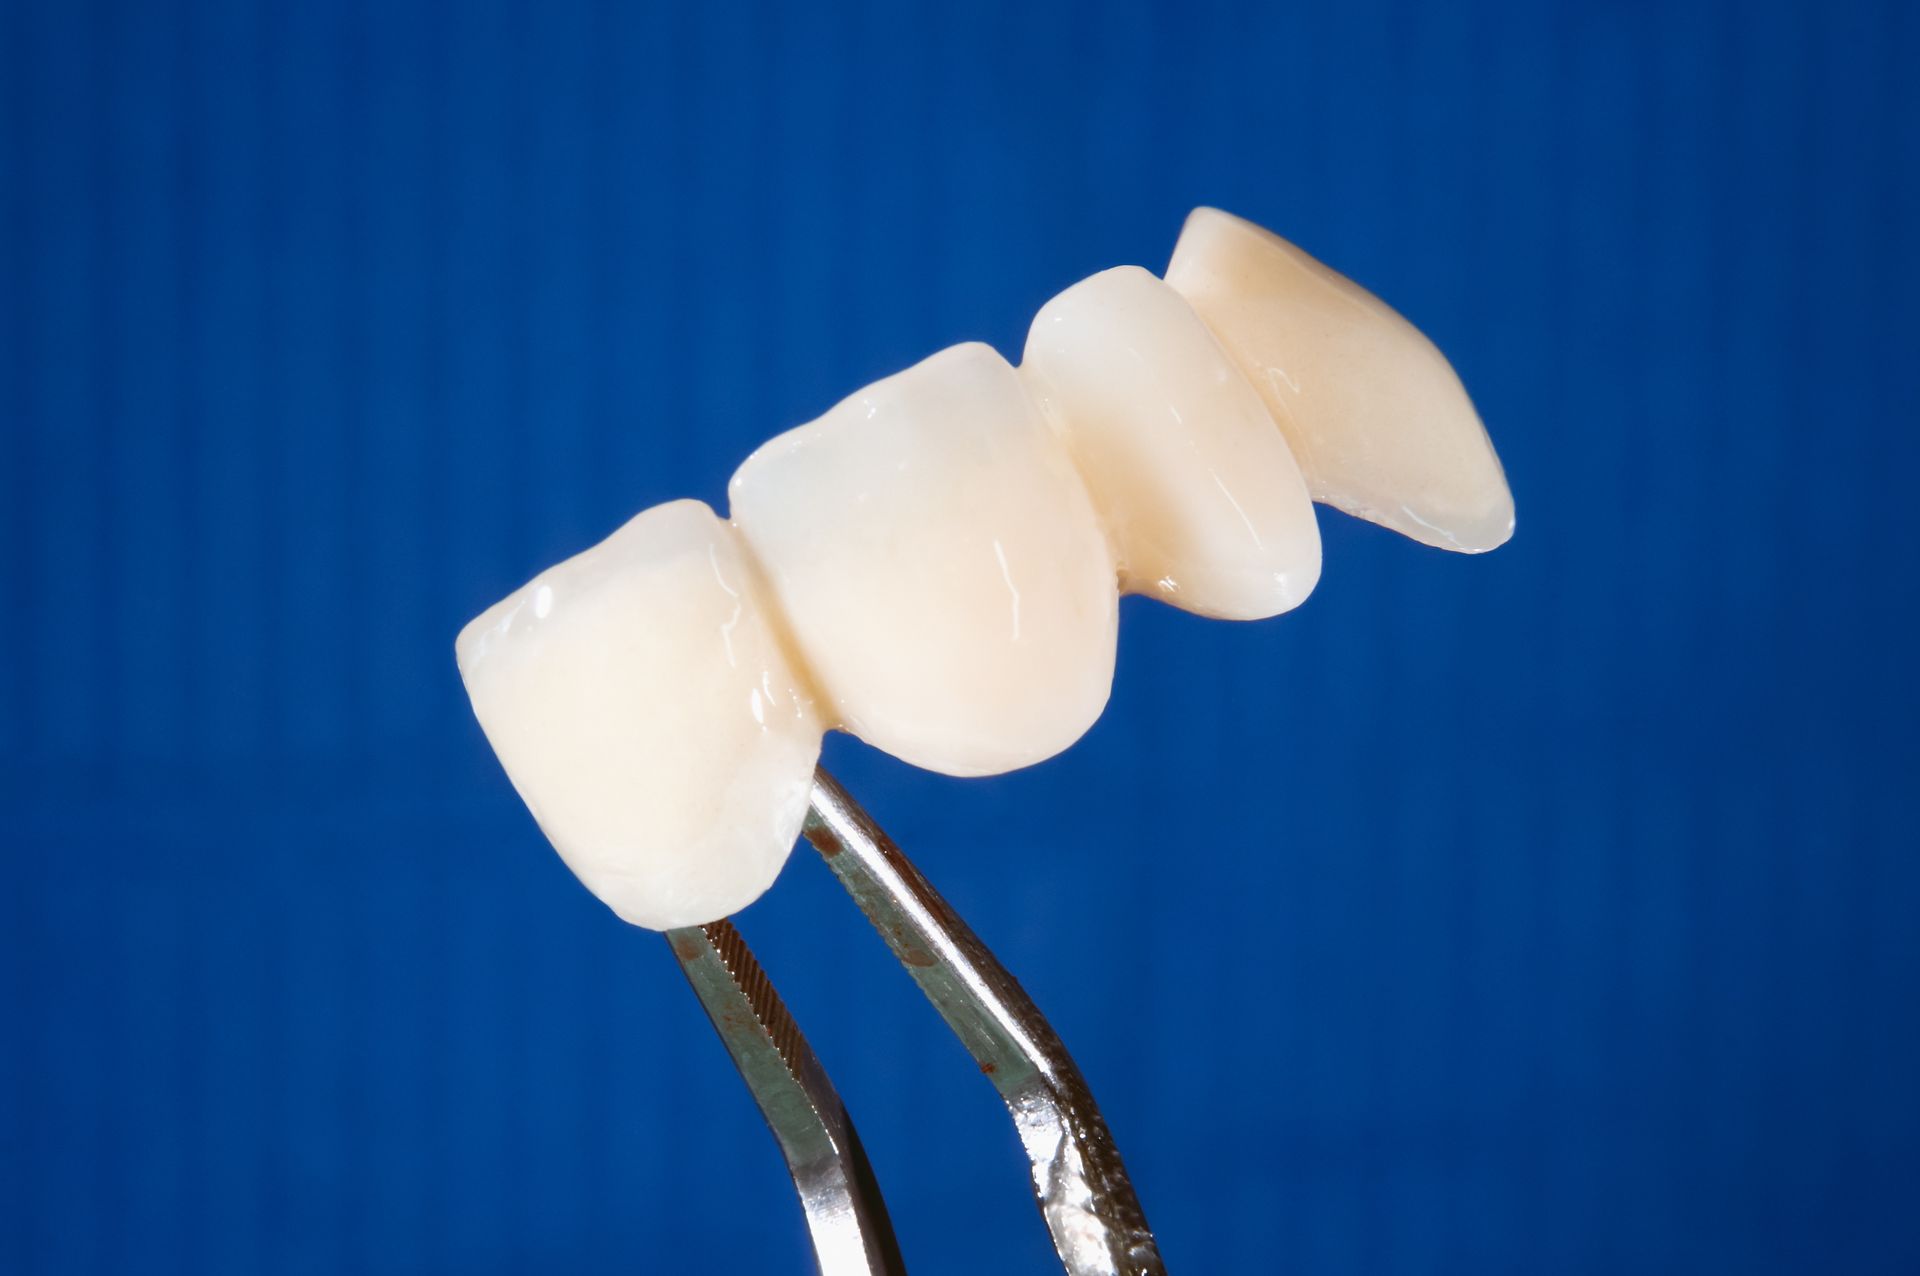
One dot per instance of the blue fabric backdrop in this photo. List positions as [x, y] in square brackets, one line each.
[1549, 911]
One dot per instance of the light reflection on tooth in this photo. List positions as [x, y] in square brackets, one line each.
[939, 565]
[1376, 416]
[1201, 497]
[622, 691]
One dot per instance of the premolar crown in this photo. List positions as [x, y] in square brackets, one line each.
[1202, 500]
[1376, 416]
[940, 565]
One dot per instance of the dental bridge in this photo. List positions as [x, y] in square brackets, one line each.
[935, 565]
[1079, 1183]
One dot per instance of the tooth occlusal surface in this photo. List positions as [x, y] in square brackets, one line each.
[647, 713]
[940, 566]
[1200, 495]
[1378, 420]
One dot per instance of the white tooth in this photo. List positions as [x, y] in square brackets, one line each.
[645, 710]
[940, 566]
[1202, 500]
[1379, 422]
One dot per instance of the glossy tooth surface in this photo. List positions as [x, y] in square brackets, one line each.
[649, 717]
[940, 566]
[1201, 497]
[1380, 425]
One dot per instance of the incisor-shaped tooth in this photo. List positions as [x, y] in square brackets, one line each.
[1201, 497]
[940, 566]
[645, 710]
[1376, 417]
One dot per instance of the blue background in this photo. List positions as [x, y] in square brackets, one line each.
[1548, 911]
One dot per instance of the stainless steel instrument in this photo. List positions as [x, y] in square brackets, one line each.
[1079, 1183]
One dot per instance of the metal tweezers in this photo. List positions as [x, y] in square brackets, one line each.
[1078, 1181]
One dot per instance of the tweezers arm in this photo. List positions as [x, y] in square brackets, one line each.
[1078, 1180]
[852, 1235]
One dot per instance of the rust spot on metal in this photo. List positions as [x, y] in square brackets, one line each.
[989, 1067]
[686, 948]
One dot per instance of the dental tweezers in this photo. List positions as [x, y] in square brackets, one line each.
[1079, 1183]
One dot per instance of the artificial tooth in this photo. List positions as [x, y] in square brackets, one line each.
[1202, 499]
[644, 708]
[1379, 422]
[940, 566]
